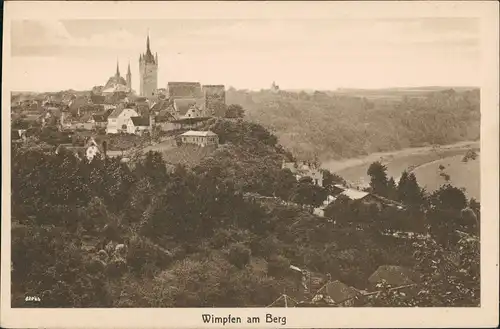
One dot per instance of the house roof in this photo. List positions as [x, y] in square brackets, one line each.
[77, 102]
[339, 291]
[86, 117]
[354, 194]
[183, 105]
[388, 201]
[116, 112]
[164, 116]
[116, 88]
[100, 117]
[91, 142]
[140, 121]
[32, 117]
[97, 99]
[198, 133]
[78, 148]
[393, 275]
[105, 113]
[160, 105]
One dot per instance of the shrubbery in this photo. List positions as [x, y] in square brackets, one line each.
[106, 234]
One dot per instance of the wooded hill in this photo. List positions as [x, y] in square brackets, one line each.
[342, 124]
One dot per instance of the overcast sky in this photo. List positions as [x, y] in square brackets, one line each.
[250, 54]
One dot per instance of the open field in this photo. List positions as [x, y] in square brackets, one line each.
[462, 174]
[165, 145]
[354, 170]
[188, 155]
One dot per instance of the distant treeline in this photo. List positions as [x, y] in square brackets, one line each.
[336, 125]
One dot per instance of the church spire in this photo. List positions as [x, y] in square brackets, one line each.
[148, 56]
[117, 68]
[148, 49]
[129, 77]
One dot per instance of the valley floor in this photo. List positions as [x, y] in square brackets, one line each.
[423, 161]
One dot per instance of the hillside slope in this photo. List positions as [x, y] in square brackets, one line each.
[335, 126]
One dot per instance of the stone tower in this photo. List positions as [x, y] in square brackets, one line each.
[215, 100]
[129, 78]
[148, 67]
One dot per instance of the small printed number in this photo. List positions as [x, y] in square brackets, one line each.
[32, 299]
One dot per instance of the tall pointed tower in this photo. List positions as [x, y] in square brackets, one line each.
[117, 74]
[129, 78]
[148, 67]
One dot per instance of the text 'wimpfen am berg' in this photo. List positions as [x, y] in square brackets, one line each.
[269, 318]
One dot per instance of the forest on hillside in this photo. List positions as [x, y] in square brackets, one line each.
[338, 125]
[111, 234]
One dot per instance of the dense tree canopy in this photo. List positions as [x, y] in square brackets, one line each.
[223, 232]
[235, 111]
[343, 125]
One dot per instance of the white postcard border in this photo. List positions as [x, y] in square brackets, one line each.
[484, 316]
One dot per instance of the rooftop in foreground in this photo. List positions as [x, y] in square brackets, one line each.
[198, 133]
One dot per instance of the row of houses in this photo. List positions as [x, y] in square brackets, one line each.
[166, 115]
[180, 105]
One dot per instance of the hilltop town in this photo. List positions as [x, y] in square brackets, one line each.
[116, 109]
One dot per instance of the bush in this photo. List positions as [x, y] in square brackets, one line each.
[144, 257]
[278, 266]
[264, 247]
[239, 255]
[470, 155]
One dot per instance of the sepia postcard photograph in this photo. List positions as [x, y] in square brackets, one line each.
[250, 164]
